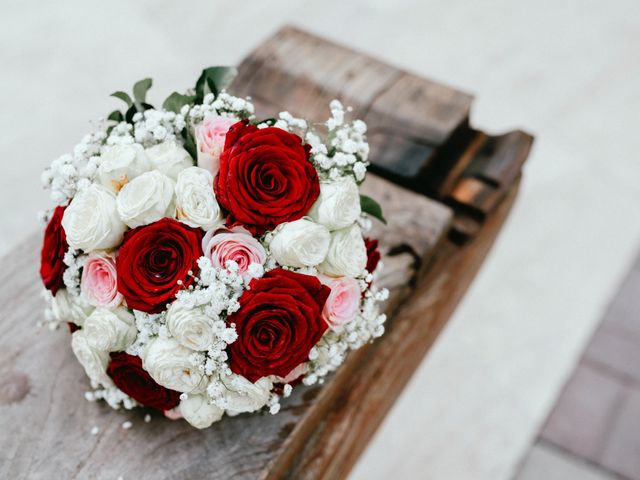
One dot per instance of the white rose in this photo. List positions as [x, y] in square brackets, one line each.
[347, 254]
[69, 308]
[196, 203]
[243, 396]
[93, 361]
[91, 220]
[196, 410]
[121, 164]
[301, 243]
[110, 331]
[169, 364]
[146, 199]
[169, 158]
[190, 327]
[338, 205]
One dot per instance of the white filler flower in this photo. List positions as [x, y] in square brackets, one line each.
[91, 221]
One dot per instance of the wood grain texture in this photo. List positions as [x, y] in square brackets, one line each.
[409, 118]
[42, 384]
[418, 130]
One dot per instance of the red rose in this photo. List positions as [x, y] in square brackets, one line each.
[127, 373]
[265, 177]
[54, 247]
[72, 327]
[279, 321]
[153, 260]
[373, 254]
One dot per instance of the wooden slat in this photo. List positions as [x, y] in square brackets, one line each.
[495, 164]
[419, 133]
[298, 72]
[420, 109]
[501, 159]
[409, 118]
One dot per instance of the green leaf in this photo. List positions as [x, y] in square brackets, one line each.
[116, 116]
[214, 79]
[373, 208]
[269, 121]
[124, 97]
[141, 88]
[190, 143]
[128, 116]
[176, 101]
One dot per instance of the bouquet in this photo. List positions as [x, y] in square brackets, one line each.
[207, 262]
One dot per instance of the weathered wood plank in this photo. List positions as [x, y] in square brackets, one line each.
[296, 71]
[42, 385]
[409, 118]
[419, 130]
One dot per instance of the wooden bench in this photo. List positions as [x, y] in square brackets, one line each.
[445, 188]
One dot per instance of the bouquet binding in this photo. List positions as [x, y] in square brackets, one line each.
[207, 262]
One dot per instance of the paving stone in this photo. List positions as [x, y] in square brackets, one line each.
[626, 317]
[548, 463]
[624, 312]
[616, 349]
[583, 414]
[622, 452]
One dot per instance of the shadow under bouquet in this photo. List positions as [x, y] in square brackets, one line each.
[205, 261]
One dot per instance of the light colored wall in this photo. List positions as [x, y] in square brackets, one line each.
[567, 70]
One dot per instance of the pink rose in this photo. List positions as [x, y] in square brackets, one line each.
[99, 282]
[344, 301]
[210, 138]
[237, 244]
[173, 414]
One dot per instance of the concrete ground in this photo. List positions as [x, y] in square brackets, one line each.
[594, 429]
[567, 70]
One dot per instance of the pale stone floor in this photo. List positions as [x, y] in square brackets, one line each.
[593, 431]
[566, 70]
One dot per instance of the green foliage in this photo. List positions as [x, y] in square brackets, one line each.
[214, 79]
[135, 105]
[370, 206]
[269, 121]
[140, 90]
[116, 115]
[176, 101]
[190, 143]
[124, 97]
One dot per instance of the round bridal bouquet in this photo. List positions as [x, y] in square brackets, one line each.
[205, 261]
